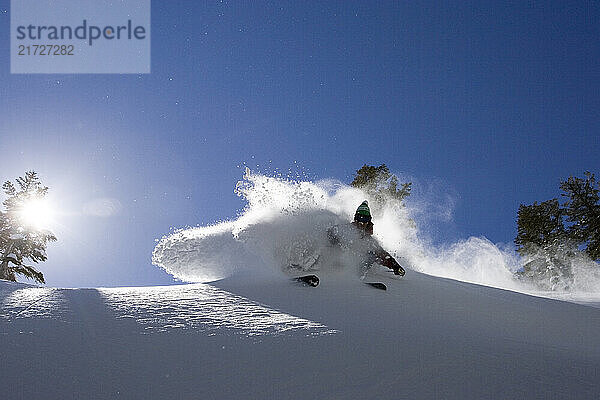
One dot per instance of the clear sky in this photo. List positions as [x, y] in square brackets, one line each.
[496, 102]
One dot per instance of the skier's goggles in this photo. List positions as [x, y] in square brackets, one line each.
[362, 218]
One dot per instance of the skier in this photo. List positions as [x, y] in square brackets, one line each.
[357, 236]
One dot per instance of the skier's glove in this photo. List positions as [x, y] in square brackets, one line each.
[393, 265]
[388, 261]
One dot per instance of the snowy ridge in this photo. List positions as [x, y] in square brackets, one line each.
[30, 302]
[197, 307]
[203, 308]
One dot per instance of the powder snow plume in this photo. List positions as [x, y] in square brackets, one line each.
[285, 223]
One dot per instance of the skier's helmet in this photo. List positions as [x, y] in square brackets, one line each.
[363, 213]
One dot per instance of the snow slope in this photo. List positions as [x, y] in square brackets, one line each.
[239, 338]
[254, 334]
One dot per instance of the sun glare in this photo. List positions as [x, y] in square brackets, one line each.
[37, 213]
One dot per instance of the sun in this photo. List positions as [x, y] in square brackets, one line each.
[37, 213]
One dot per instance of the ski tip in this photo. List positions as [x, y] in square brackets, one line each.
[308, 280]
[377, 285]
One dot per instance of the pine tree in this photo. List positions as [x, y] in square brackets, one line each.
[551, 236]
[539, 224]
[542, 240]
[18, 240]
[380, 183]
[582, 210]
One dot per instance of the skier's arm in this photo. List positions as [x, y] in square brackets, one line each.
[384, 258]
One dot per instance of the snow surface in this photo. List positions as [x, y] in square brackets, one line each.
[242, 329]
[424, 338]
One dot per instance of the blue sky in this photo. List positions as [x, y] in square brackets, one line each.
[495, 102]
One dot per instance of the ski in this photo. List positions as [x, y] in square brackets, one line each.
[376, 285]
[308, 280]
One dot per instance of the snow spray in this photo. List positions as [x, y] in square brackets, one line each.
[285, 222]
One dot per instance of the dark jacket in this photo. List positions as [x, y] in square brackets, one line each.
[350, 236]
